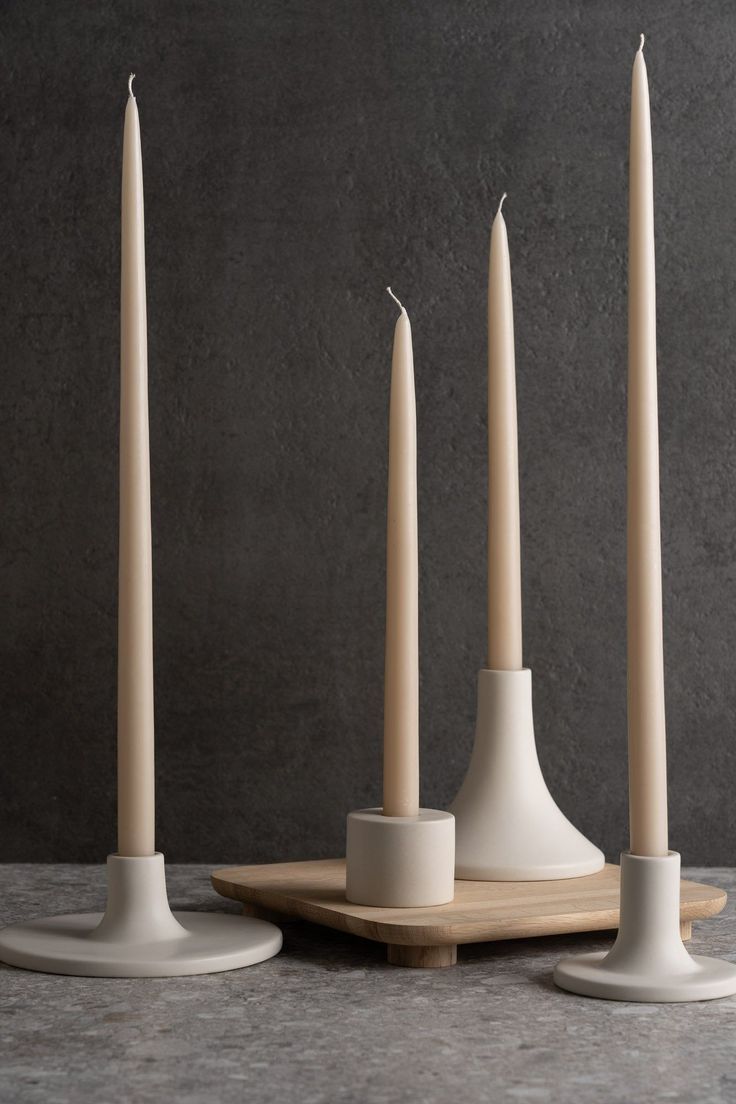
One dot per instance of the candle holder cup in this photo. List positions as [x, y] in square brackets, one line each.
[508, 826]
[648, 962]
[138, 935]
[400, 862]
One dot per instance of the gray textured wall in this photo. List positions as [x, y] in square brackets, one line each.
[298, 157]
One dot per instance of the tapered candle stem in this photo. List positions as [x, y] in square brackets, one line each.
[135, 622]
[504, 545]
[401, 685]
[646, 714]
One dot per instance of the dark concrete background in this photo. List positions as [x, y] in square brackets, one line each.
[298, 157]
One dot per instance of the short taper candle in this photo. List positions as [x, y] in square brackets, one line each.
[401, 679]
[504, 545]
[646, 717]
[135, 618]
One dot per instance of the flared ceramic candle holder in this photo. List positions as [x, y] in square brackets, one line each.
[138, 935]
[400, 862]
[507, 825]
[648, 961]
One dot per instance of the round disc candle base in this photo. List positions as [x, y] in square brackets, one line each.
[138, 935]
[508, 826]
[400, 862]
[648, 962]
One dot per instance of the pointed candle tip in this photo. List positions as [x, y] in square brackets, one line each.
[503, 197]
[131, 78]
[397, 301]
[641, 44]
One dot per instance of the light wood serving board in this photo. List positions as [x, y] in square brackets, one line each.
[481, 912]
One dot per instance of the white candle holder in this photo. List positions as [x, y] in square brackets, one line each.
[138, 935]
[400, 862]
[507, 824]
[648, 961]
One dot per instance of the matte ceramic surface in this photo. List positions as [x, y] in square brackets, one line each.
[508, 826]
[400, 862]
[138, 935]
[648, 961]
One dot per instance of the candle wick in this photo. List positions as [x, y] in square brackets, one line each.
[131, 78]
[641, 43]
[388, 289]
[503, 197]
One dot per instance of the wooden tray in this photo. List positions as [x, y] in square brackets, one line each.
[481, 911]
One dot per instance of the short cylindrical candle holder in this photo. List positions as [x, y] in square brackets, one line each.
[400, 862]
[648, 961]
[138, 935]
[508, 826]
[405, 859]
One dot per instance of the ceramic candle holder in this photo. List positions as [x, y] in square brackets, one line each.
[648, 961]
[400, 862]
[138, 935]
[507, 825]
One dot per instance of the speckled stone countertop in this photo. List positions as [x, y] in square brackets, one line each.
[329, 1021]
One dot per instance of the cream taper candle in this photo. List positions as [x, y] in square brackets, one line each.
[401, 685]
[646, 718]
[135, 619]
[504, 545]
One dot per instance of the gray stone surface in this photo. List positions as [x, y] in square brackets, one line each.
[329, 1021]
[299, 157]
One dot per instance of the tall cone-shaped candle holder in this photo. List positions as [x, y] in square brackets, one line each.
[138, 935]
[648, 961]
[507, 824]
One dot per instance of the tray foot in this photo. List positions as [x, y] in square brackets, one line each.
[686, 929]
[427, 958]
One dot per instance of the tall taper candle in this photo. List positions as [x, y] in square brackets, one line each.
[135, 620]
[647, 747]
[504, 545]
[401, 680]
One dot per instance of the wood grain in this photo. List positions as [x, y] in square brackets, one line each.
[481, 911]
